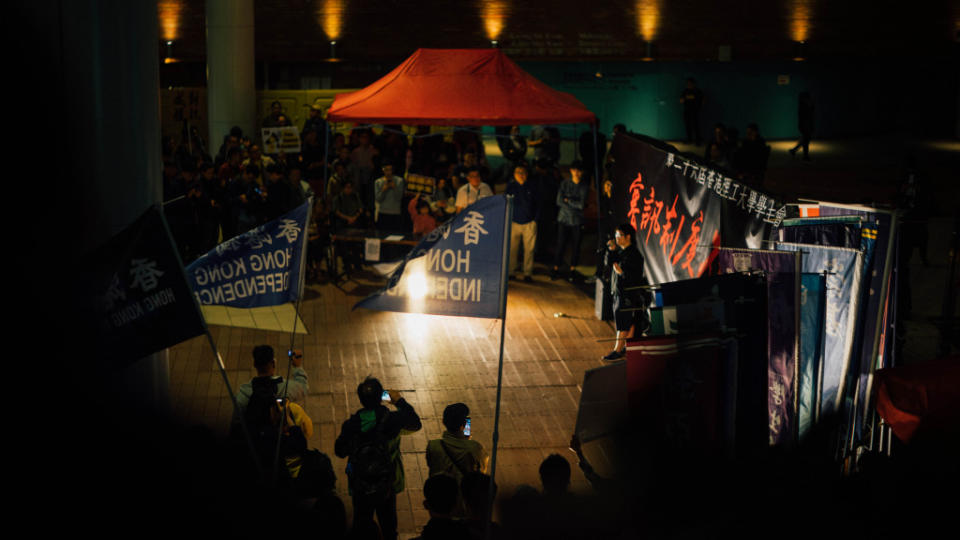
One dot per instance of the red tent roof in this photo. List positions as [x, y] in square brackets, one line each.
[478, 87]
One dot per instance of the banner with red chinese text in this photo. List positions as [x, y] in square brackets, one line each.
[682, 209]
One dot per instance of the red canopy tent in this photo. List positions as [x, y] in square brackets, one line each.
[446, 87]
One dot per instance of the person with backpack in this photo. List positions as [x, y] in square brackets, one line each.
[266, 365]
[279, 430]
[370, 440]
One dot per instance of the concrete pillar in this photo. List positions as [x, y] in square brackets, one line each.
[231, 91]
[109, 56]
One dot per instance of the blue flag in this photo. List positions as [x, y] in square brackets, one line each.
[458, 269]
[260, 267]
[134, 295]
[812, 313]
[843, 270]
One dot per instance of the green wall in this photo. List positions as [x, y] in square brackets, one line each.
[851, 99]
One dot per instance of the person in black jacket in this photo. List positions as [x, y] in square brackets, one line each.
[374, 420]
[629, 301]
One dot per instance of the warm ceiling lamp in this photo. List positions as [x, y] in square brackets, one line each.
[648, 19]
[331, 15]
[168, 13]
[494, 15]
[799, 16]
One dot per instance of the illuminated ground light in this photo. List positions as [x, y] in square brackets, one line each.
[417, 285]
[816, 147]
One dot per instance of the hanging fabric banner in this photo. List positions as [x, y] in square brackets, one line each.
[260, 267]
[782, 272]
[813, 290]
[136, 294]
[457, 269]
[843, 268]
[677, 205]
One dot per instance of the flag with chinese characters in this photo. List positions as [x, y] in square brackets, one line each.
[458, 269]
[135, 294]
[261, 267]
[782, 270]
[681, 208]
[843, 270]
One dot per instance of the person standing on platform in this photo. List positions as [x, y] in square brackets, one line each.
[526, 211]
[370, 439]
[629, 301]
[389, 193]
[692, 99]
[571, 198]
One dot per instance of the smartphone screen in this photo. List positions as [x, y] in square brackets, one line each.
[466, 428]
[385, 396]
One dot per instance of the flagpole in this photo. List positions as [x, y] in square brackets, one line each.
[504, 278]
[293, 335]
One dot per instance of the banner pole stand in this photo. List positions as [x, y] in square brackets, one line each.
[504, 279]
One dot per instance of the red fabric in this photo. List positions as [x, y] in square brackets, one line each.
[463, 87]
[922, 398]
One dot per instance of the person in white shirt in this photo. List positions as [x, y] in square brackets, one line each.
[474, 190]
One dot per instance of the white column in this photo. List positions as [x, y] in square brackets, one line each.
[231, 91]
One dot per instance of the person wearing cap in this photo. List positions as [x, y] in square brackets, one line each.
[455, 453]
[315, 122]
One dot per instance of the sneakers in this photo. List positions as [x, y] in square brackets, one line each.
[614, 356]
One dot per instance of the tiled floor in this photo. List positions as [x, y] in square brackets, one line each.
[435, 361]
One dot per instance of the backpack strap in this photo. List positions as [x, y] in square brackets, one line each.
[452, 459]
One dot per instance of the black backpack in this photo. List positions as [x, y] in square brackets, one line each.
[371, 468]
[263, 416]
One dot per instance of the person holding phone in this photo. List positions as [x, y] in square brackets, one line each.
[455, 453]
[264, 362]
[370, 440]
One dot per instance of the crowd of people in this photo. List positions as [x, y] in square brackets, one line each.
[389, 180]
[271, 420]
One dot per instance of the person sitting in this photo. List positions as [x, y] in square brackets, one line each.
[443, 201]
[423, 221]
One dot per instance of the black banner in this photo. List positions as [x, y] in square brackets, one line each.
[135, 294]
[681, 208]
